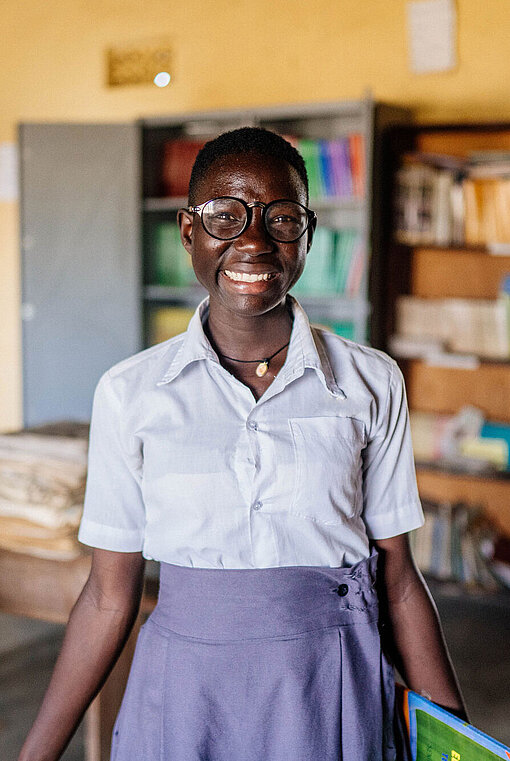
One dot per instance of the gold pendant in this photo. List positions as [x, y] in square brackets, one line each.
[261, 369]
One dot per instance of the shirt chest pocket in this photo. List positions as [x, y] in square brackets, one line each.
[328, 485]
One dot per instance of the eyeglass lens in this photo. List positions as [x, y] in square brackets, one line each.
[225, 218]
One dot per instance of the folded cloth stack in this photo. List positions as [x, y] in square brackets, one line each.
[42, 485]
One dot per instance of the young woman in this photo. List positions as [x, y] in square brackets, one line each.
[268, 466]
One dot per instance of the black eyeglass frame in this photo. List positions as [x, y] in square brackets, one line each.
[249, 214]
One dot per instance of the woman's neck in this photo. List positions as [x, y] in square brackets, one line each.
[249, 337]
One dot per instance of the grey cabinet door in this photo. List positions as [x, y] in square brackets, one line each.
[80, 262]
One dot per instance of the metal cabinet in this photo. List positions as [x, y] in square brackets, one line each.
[80, 262]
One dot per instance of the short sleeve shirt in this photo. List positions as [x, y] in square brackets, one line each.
[187, 467]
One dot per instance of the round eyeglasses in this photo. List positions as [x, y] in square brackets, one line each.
[226, 218]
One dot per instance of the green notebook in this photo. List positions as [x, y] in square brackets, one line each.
[437, 735]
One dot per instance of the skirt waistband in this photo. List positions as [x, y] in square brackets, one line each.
[230, 604]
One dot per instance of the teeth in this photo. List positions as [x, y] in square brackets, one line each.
[247, 277]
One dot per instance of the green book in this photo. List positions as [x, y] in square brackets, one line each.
[344, 249]
[317, 278]
[309, 150]
[345, 329]
[172, 263]
[436, 734]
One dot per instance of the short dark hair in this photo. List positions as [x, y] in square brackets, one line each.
[256, 140]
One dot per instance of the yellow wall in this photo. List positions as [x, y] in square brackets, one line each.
[227, 53]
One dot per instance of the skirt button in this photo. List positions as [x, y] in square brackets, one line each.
[342, 590]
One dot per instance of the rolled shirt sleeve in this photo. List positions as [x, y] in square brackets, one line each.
[391, 504]
[114, 513]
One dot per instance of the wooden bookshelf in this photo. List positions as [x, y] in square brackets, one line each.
[358, 312]
[437, 272]
[481, 273]
[433, 388]
[490, 492]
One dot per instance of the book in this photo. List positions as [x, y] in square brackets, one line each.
[435, 733]
[335, 264]
[455, 545]
[178, 158]
[316, 279]
[172, 263]
[326, 168]
[358, 168]
[343, 254]
[309, 150]
[442, 200]
[345, 329]
[335, 167]
[357, 266]
[465, 326]
[167, 322]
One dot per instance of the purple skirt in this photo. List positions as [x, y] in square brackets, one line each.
[272, 664]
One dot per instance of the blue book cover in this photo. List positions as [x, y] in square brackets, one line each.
[326, 168]
[437, 735]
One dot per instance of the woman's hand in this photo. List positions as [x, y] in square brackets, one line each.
[412, 631]
[98, 627]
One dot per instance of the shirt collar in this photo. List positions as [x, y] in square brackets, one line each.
[306, 350]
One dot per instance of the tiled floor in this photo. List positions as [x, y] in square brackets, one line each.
[478, 634]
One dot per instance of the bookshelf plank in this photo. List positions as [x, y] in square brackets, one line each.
[447, 389]
[493, 495]
[435, 273]
[460, 142]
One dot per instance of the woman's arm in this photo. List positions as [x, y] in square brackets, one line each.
[98, 627]
[411, 630]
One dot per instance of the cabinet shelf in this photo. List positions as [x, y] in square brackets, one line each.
[446, 389]
[449, 592]
[166, 294]
[491, 494]
[449, 249]
[165, 203]
[458, 470]
[458, 360]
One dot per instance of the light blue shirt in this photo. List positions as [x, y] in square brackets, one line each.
[187, 467]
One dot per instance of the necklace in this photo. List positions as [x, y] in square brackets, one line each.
[262, 364]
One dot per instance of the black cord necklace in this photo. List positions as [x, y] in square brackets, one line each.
[262, 364]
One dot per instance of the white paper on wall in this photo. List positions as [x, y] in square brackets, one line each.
[432, 32]
[9, 182]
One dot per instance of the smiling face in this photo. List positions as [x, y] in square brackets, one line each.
[252, 274]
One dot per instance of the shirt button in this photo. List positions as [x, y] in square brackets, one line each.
[257, 505]
[342, 590]
[253, 426]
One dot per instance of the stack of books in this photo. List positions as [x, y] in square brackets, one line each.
[465, 441]
[335, 167]
[425, 327]
[335, 264]
[444, 201]
[42, 487]
[448, 547]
